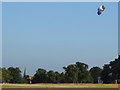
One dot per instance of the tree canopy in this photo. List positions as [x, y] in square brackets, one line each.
[73, 73]
[95, 73]
[111, 71]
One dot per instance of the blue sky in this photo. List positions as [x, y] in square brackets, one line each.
[52, 35]
[0, 34]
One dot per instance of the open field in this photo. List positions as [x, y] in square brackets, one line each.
[60, 85]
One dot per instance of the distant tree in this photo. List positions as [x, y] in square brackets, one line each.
[40, 76]
[115, 69]
[52, 77]
[106, 74]
[88, 79]
[71, 74]
[95, 73]
[15, 73]
[111, 71]
[77, 73]
[6, 77]
[62, 77]
[58, 77]
[83, 72]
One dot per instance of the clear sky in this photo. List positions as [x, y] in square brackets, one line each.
[0, 34]
[52, 35]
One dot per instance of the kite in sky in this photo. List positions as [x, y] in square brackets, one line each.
[100, 10]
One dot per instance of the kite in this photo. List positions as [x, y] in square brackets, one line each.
[100, 10]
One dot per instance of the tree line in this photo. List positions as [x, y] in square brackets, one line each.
[74, 73]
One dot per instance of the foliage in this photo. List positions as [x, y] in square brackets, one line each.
[95, 73]
[40, 76]
[71, 74]
[115, 69]
[6, 77]
[74, 73]
[105, 76]
[111, 71]
[77, 73]
[16, 74]
[51, 76]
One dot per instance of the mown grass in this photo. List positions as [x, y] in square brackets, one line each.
[42, 85]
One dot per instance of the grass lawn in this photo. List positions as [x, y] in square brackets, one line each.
[42, 85]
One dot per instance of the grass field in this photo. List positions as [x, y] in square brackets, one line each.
[60, 85]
